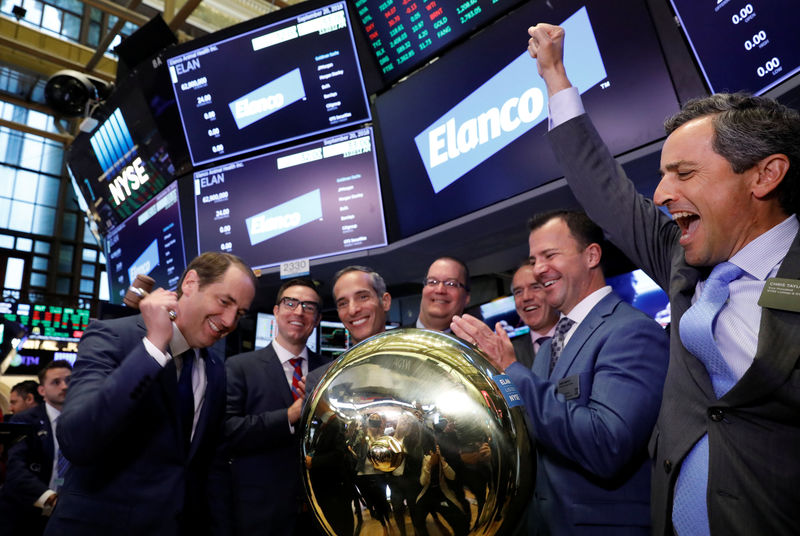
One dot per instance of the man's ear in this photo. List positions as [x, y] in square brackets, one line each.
[771, 171]
[386, 301]
[593, 253]
[191, 282]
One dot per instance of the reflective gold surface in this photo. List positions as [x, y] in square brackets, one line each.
[410, 427]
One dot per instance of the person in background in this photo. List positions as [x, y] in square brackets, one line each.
[530, 300]
[265, 400]
[24, 395]
[35, 468]
[445, 293]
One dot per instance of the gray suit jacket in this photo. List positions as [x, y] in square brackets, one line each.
[754, 430]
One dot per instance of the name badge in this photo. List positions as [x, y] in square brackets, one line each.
[569, 387]
[781, 293]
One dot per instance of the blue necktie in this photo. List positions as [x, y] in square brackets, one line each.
[557, 344]
[62, 464]
[186, 396]
[690, 510]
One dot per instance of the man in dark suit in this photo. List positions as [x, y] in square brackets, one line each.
[265, 397]
[530, 300]
[724, 458]
[32, 483]
[145, 408]
[594, 391]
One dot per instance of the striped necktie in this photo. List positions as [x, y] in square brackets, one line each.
[297, 375]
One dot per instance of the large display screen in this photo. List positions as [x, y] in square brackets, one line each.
[150, 242]
[123, 162]
[311, 200]
[468, 130]
[742, 45]
[404, 34]
[40, 334]
[265, 85]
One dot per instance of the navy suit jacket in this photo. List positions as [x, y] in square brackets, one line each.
[265, 458]
[593, 476]
[130, 472]
[30, 467]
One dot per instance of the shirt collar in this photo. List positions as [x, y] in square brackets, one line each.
[178, 344]
[584, 307]
[759, 257]
[285, 355]
[52, 413]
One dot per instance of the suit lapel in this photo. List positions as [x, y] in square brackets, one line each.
[593, 320]
[274, 369]
[682, 288]
[541, 361]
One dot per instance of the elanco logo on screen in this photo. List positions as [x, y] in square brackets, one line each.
[504, 108]
[285, 217]
[268, 99]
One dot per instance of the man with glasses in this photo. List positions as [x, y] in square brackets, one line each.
[445, 293]
[265, 398]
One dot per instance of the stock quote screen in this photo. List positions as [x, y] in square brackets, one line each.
[150, 242]
[311, 200]
[404, 34]
[743, 45]
[43, 333]
[283, 80]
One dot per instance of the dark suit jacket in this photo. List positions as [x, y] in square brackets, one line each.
[30, 467]
[523, 349]
[130, 472]
[593, 476]
[265, 454]
[754, 430]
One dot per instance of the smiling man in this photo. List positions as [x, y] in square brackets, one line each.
[145, 406]
[265, 398]
[361, 301]
[727, 437]
[445, 293]
[530, 300]
[594, 392]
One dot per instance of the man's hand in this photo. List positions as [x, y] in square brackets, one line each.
[295, 410]
[546, 45]
[495, 344]
[155, 308]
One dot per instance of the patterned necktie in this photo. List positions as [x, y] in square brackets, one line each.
[557, 344]
[690, 511]
[62, 464]
[297, 375]
[186, 395]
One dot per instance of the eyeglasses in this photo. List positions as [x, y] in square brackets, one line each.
[292, 303]
[449, 283]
